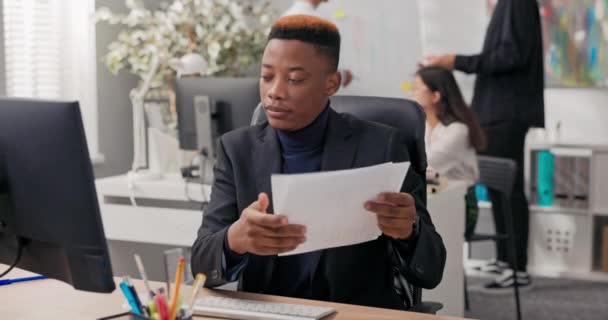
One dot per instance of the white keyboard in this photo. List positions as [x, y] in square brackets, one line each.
[257, 310]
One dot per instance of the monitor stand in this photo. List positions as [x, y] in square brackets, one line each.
[5, 212]
[5, 205]
[13, 246]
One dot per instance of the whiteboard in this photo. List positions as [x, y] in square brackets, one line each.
[449, 26]
[380, 44]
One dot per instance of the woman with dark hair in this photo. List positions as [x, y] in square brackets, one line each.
[453, 135]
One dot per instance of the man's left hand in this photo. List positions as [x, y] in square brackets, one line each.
[396, 213]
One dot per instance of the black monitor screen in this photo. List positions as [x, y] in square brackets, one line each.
[47, 195]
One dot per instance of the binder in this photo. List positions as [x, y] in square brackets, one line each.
[544, 178]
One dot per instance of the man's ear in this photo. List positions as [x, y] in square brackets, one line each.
[332, 85]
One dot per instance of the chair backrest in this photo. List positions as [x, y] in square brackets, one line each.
[403, 114]
[497, 174]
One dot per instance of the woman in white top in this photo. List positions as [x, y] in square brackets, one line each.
[453, 135]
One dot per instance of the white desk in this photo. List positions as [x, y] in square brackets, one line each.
[52, 299]
[165, 224]
[164, 215]
[447, 209]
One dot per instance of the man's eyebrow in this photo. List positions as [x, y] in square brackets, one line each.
[291, 69]
[297, 69]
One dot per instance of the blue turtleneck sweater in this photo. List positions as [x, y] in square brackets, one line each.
[302, 149]
[301, 152]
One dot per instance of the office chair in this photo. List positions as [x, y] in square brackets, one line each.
[409, 118]
[498, 175]
[405, 115]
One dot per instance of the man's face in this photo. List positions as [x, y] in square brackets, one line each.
[295, 84]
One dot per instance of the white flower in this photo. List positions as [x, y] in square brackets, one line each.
[134, 4]
[264, 19]
[214, 50]
[103, 14]
[177, 6]
[236, 10]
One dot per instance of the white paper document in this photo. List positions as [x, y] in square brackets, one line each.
[330, 204]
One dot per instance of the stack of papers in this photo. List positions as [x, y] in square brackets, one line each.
[330, 204]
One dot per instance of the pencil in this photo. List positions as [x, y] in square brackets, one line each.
[178, 280]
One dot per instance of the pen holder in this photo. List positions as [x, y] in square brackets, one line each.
[151, 309]
[182, 315]
[126, 316]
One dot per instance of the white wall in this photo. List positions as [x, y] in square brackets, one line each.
[583, 114]
[453, 27]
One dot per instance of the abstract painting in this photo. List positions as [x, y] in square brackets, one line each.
[575, 36]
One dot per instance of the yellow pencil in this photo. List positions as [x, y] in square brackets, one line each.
[178, 281]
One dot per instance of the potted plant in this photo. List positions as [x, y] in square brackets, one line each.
[226, 37]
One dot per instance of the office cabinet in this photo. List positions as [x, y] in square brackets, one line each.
[566, 231]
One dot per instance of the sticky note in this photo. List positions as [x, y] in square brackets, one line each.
[340, 14]
[406, 86]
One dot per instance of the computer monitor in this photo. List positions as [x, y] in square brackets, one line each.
[48, 203]
[226, 103]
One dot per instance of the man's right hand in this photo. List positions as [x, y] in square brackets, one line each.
[263, 234]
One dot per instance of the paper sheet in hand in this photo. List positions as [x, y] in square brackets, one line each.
[330, 204]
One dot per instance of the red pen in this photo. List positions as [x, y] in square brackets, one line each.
[161, 306]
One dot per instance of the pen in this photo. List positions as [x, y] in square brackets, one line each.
[143, 274]
[161, 305]
[167, 278]
[124, 287]
[178, 280]
[135, 296]
[152, 307]
[198, 284]
[9, 281]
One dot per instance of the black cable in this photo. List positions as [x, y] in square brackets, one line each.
[205, 156]
[20, 245]
[187, 173]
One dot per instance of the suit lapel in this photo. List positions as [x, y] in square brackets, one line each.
[340, 144]
[267, 161]
[338, 154]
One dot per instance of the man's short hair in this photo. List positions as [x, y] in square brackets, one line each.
[321, 33]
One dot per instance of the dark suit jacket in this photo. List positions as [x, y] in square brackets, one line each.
[509, 87]
[358, 274]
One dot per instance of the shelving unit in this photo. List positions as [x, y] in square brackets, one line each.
[566, 237]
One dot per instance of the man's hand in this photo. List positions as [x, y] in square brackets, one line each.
[443, 60]
[396, 214]
[261, 233]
